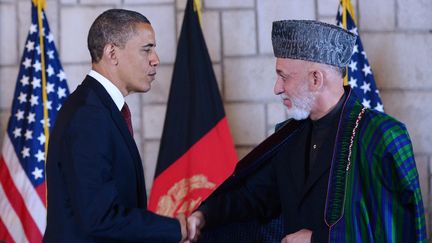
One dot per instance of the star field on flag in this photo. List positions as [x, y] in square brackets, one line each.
[22, 160]
[360, 76]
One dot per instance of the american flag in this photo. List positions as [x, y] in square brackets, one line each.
[22, 161]
[360, 76]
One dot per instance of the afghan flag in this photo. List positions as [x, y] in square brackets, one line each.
[197, 151]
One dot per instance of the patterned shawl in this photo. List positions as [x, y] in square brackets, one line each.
[374, 191]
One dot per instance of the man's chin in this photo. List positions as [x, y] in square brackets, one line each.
[297, 114]
[139, 90]
[145, 88]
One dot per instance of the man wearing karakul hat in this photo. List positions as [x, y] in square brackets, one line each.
[336, 171]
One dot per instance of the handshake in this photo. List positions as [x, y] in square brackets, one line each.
[191, 227]
[191, 230]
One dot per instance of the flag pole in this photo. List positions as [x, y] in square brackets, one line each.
[40, 6]
[344, 24]
[197, 8]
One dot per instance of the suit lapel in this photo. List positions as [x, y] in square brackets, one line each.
[261, 154]
[268, 147]
[115, 114]
[121, 125]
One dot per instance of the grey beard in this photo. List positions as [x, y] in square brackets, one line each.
[301, 106]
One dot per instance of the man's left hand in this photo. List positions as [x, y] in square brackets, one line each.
[301, 236]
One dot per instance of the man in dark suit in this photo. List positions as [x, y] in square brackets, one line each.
[96, 190]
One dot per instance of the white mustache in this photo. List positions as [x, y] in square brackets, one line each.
[283, 96]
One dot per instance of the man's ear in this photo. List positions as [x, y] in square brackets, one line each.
[110, 53]
[317, 77]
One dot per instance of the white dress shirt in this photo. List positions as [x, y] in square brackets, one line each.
[112, 90]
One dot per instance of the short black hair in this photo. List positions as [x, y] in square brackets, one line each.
[114, 26]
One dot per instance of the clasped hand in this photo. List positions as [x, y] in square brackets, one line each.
[191, 228]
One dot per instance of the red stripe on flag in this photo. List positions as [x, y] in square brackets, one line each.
[31, 230]
[41, 191]
[213, 157]
[4, 234]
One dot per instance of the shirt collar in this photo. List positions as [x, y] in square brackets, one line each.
[112, 90]
[328, 119]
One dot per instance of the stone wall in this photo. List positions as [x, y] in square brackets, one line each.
[397, 36]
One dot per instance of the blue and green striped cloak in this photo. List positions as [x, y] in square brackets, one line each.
[373, 192]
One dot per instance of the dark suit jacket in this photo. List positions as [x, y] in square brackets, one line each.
[96, 190]
[278, 186]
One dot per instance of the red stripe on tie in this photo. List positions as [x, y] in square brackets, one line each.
[127, 117]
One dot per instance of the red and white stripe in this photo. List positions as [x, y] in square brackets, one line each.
[22, 211]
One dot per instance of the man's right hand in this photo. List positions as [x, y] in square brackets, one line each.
[195, 223]
[183, 226]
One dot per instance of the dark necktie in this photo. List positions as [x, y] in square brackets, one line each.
[127, 116]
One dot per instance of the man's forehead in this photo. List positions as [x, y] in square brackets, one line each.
[144, 27]
[145, 33]
[292, 62]
[292, 67]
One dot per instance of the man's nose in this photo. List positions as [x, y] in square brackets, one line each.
[154, 59]
[278, 87]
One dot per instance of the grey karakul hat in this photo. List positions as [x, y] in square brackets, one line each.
[313, 41]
